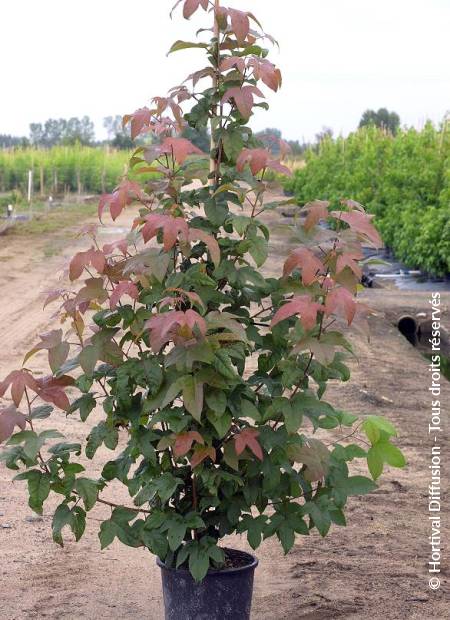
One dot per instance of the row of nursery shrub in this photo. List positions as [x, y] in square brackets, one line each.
[62, 169]
[404, 180]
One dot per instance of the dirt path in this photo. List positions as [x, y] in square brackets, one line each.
[375, 568]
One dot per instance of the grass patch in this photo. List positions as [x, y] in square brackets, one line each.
[56, 219]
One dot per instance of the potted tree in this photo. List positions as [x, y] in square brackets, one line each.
[210, 375]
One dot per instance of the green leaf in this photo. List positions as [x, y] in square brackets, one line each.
[38, 489]
[216, 400]
[41, 412]
[61, 518]
[183, 45]
[358, 485]
[102, 433]
[175, 534]
[249, 410]
[193, 396]
[221, 422]
[259, 250]
[373, 426]
[198, 563]
[88, 490]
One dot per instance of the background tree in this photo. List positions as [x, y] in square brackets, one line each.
[382, 119]
[62, 131]
[118, 136]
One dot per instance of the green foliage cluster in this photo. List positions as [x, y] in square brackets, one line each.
[62, 169]
[403, 180]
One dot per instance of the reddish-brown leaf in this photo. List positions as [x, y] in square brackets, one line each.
[93, 257]
[175, 324]
[316, 211]
[247, 439]
[243, 98]
[140, 120]
[9, 418]
[264, 70]
[201, 453]
[190, 6]
[300, 305]
[240, 24]
[184, 441]
[360, 223]
[340, 301]
[171, 226]
[348, 259]
[55, 395]
[310, 265]
[123, 195]
[233, 61]
[178, 148]
[123, 288]
[18, 380]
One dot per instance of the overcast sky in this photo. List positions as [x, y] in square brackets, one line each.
[61, 58]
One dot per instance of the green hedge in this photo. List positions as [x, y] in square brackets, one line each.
[404, 180]
[62, 169]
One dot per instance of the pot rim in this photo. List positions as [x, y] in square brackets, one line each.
[215, 571]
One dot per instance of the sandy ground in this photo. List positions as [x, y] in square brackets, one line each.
[374, 568]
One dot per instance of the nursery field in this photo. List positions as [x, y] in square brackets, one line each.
[374, 568]
[404, 180]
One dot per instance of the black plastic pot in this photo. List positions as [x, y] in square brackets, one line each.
[222, 595]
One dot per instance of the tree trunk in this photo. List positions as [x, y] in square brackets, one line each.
[213, 162]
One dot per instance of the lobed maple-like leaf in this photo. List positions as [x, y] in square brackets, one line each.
[310, 265]
[171, 227]
[240, 24]
[247, 439]
[266, 71]
[341, 301]
[259, 159]
[125, 287]
[9, 418]
[301, 305]
[165, 327]
[348, 259]
[243, 98]
[51, 390]
[123, 195]
[316, 211]
[360, 223]
[231, 62]
[18, 380]
[58, 350]
[93, 257]
[140, 120]
[178, 148]
[201, 453]
[190, 6]
[184, 441]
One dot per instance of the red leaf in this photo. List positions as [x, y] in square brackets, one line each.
[240, 24]
[279, 167]
[93, 257]
[123, 288]
[172, 227]
[123, 195]
[316, 211]
[256, 158]
[184, 441]
[360, 223]
[179, 148]
[55, 395]
[243, 98]
[233, 61]
[348, 259]
[341, 301]
[190, 6]
[302, 305]
[201, 453]
[175, 324]
[264, 70]
[247, 439]
[310, 265]
[139, 120]
[18, 380]
[9, 418]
